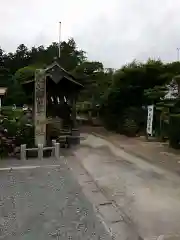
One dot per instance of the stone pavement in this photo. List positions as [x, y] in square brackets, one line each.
[156, 153]
[41, 200]
[148, 195]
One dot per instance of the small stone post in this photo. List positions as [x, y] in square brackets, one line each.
[23, 152]
[53, 150]
[40, 151]
[57, 147]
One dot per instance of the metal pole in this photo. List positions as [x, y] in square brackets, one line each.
[178, 54]
[59, 39]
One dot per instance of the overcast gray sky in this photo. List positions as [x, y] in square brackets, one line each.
[112, 31]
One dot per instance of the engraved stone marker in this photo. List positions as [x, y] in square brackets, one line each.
[40, 107]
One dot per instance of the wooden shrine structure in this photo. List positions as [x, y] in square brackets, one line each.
[54, 92]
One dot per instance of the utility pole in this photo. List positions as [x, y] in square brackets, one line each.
[59, 40]
[178, 49]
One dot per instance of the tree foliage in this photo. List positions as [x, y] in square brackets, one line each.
[20, 66]
[117, 91]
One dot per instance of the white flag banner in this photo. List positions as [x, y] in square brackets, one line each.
[150, 120]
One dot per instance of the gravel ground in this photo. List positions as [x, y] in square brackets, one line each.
[46, 203]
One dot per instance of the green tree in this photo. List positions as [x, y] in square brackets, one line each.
[71, 56]
[93, 77]
[27, 73]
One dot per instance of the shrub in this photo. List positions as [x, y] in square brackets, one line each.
[174, 131]
[13, 133]
[110, 121]
[131, 121]
[11, 113]
[129, 127]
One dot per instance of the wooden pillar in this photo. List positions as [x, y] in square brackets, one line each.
[75, 131]
[40, 107]
[74, 112]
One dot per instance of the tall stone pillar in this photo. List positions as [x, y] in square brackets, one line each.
[40, 107]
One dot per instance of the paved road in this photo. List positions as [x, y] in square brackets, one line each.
[147, 194]
[45, 203]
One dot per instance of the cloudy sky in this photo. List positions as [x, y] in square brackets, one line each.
[112, 31]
